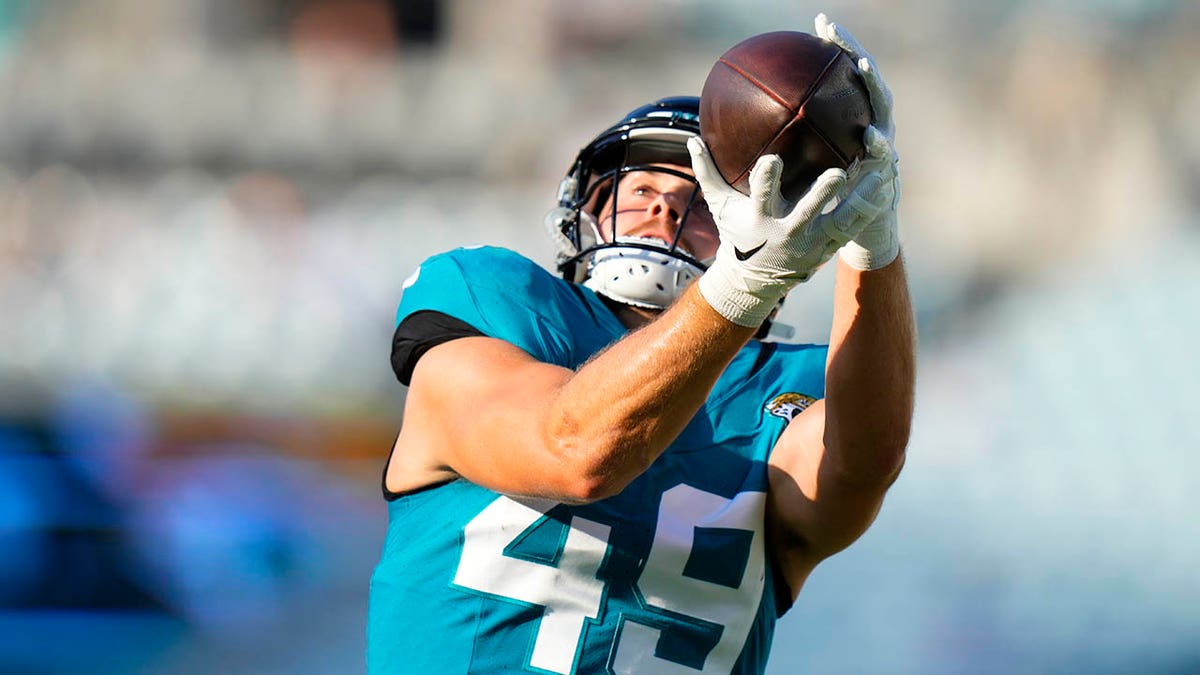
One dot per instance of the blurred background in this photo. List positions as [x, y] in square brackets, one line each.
[207, 208]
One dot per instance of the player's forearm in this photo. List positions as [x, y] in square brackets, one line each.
[618, 412]
[870, 377]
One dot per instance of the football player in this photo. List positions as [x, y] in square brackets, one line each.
[607, 472]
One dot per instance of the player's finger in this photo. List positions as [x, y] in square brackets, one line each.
[824, 189]
[844, 39]
[881, 96]
[866, 200]
[822, 27]
[764, 183]
[708, 176]
[876, 143]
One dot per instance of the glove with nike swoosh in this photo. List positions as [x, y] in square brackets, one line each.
[769, 245]
[879, 242]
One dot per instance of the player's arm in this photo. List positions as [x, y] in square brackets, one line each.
[830, 469]
[483, 409]
[835, 461]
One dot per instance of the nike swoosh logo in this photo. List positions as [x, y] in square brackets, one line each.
[745, 255]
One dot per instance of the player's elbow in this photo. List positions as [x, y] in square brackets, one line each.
[867, 458]
[890, 462]
[893, 451]
[878, 464]
[588, 489]
[583, 481]
[869, 453]
[589, 470]
[590, 479]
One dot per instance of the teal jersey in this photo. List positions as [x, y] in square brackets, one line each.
[669, 576]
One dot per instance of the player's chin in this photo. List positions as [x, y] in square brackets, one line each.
[703, 249]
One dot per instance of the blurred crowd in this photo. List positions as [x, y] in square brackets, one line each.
[207, 208]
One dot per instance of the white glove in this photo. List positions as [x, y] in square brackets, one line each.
[767, 245]
[879, 242]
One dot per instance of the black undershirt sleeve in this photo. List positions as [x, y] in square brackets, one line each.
[418, 333]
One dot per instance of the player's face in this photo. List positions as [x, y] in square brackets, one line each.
[651, 203]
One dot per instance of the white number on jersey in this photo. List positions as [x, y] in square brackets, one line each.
[569, 591]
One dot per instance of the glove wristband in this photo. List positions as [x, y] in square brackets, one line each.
[866, 259]
[879, 242]
[726, 290]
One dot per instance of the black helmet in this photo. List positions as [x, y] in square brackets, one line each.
[651, 134]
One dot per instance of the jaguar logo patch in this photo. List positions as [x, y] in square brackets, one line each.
[789, 405]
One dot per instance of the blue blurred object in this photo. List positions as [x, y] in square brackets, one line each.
[24, 517]
[228, 537]
[68, 538]
[203, 557]
[69, 599]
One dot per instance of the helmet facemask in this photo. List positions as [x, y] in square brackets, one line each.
[641, 271]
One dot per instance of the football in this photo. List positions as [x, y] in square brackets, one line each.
[786, 93]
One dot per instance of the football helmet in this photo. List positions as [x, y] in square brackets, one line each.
[641, 271]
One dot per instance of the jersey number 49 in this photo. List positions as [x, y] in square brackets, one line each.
[569, 591]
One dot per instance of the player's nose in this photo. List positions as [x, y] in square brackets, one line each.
[660, 223]
[662, 209]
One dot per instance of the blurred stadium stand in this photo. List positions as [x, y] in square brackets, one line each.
[207, 208]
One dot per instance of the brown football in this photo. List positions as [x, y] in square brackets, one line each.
[786, 93]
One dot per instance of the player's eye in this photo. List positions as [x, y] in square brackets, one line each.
[644, 190]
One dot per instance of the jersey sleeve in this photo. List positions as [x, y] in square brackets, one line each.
[498, 292]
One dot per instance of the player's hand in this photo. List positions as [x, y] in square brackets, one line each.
[879, 242]
[769, 245]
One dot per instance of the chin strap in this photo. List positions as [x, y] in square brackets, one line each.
[638, 276]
